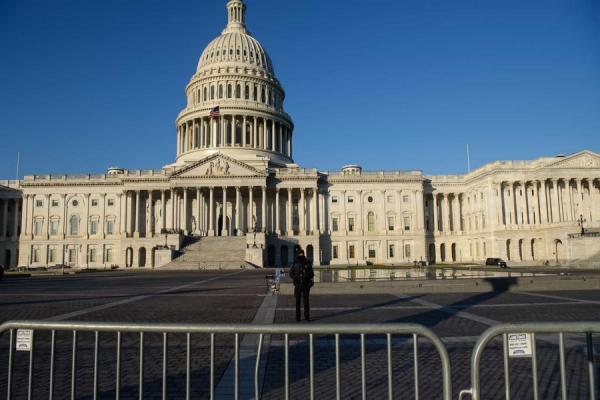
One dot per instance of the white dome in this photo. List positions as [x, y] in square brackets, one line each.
[235, 45]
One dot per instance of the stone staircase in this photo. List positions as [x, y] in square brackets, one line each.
[212, 252]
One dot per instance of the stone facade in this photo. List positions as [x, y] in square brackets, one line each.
[234, 175]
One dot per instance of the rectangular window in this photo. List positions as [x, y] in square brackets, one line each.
[392, 251]
[92, 255]
[36, 255]
[54, 203]
[38, 228]
[350, 199]
[407, 250]
[351, 251]
[371, 251]
[391, 224]
[54, 228]
[39, 203]
[72, 256]
[111, 202]
[483, 221]
[405, 199]
[407, 223]
[484, 250]
[109, 227]
[94, 202]
[471, 249]
[334, 199]
[351, 224]
[93, 227]
[335, 252]
[109, 255]
[52, 256]
[334, 224]
[477, 249]
[390, 199]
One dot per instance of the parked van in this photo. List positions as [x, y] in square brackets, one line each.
[496, 261]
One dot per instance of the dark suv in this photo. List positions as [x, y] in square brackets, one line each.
[496, 261]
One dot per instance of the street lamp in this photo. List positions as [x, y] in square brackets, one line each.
[166, 235]
[580, 222]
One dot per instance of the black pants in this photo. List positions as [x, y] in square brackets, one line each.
[301, 291]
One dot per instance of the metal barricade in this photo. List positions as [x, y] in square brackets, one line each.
[519, 341]
[411, 334]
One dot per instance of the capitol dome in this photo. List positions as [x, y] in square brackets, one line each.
[234, 101]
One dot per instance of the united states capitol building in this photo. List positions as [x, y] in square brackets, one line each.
[234, 196]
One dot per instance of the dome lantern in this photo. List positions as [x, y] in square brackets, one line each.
[236, 17]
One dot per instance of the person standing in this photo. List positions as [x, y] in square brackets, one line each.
[302, 273]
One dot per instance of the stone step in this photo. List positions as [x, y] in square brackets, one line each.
[212, 252]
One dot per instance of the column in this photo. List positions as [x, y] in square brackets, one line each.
[288, 209]
[313, 212]
[251, 223]
[302, 215]
[322, 211]
[435, 213]
[224, 231]
[595, 207]
[25, 214]
[87, 216]
[527, 216]
[47, 221]
[517, 205]
[579, 199]
[455, 213]
[120, 196]
[103, 216]
[568, 192]
[255, 134]
[556, 214]
[399, 226]
[16, 220]
[277, 230]
[184, 211]
[136, 232]
[342, 223]
[446, 212]
[163, 211]
[5, 219]
[243, 137]
[171, 224]
[543, 202]
[238, 207]
[211, 201]
[264, 209]
[198, 210]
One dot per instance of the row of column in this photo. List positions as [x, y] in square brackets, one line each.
[5, 227]
[254, 132]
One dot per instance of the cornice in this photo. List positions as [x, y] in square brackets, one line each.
[273, 114]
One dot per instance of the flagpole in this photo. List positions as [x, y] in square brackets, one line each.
[468, 159]
[18, 157]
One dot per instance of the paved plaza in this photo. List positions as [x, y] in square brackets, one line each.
[228, 297]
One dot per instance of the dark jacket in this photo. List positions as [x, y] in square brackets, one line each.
[302, 264]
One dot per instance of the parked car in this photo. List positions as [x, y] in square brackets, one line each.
[496, 261]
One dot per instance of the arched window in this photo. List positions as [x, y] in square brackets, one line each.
[238, 134]
[73, 225]
[212, 92]
[238, 91]
[371, 221]
[205, 94]
[255, 93]
[220, 91]
[229, 91]
[247, 92]
[262, 95]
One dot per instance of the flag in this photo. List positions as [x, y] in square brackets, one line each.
[214, 112]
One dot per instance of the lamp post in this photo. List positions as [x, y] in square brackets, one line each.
[166, 235]
[580, 222]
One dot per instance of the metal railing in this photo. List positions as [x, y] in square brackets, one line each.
[532, 328]
[412, 333]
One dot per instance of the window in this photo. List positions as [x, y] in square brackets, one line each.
[351, 251]
[335, 252]
[390, 199]
[75, 203]
[229, 91]
[483, 221]
[73, 225]
[407, 223]
[392, 251]
[93, 227]
[238, 91]
[247, 92]
[109, 227]
[111, 202]
[39, 203]
[371, 221]
[484, 250]
[477, 249]
[72, 256]
[37, 228]
[36, 255]
[109, 255]
[372, 251]
[405, 199]
[52, 256]
[391, 223]
[54, 203]
[370, 199]
[94, 202]
[407, 250]
[92, 255]
[220, 91]
[334, 199]
[351, 224]
[212, 92]
[350, 199]
[54, 227]
[334, 224]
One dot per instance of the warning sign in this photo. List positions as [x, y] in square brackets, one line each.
[23, 340]
[519, 344]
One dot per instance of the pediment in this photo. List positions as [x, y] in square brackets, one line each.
[582, 160]
[218, 165]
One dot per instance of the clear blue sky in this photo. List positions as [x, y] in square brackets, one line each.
[389, 85]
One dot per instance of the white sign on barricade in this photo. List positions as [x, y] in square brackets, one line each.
[519, 344]
[23, 340]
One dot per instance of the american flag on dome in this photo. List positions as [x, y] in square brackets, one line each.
[215, 112]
